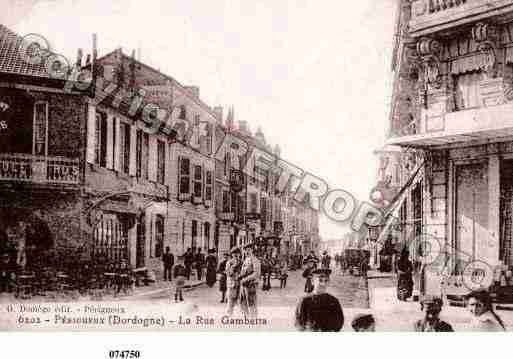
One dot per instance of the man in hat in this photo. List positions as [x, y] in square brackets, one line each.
[168, 260]
[307, 274]
[325, 260]
[319, 311]
[431, 306]
[233, 268]
[249, 275]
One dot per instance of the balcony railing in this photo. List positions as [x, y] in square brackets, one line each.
[440, 5]
[20, 167]
[433, 15]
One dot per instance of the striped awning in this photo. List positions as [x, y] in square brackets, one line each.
[464, 64]
[393, 210]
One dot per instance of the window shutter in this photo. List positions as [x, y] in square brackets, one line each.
[117, 145]
[152, 159]
[91, 133]
[133, 140]
[208, 188]
[110, 142]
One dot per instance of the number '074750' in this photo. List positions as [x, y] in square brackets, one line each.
[124, 354]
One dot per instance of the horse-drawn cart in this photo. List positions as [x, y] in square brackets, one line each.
[356, 261]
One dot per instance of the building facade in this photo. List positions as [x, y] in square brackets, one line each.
[451, 114]
[85, 176]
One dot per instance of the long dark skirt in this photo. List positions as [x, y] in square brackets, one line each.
[308, 285]
[211, 276]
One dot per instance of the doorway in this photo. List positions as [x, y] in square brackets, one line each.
[471, 209]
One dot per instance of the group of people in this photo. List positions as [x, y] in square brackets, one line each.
[320, 311]
[192, 260]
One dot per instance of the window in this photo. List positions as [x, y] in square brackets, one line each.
[101, 140]
[467, 90]
[125, 147]
[194, 234]
[161, 160]
[142, 154]
[253, 205]
[208, 138]
[40, 128]
[226, 202]
[208, 188]
[159, 235]
[234, 203]
[184, 178]
[263, 212]
[183, 113]
[206, 234]
[198, 183]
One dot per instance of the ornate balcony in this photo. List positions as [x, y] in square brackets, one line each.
[477, 124]
[429, 16]
[19, 167]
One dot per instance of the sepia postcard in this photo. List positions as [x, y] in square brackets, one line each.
[243, 166]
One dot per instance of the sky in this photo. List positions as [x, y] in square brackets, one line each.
[315, 76]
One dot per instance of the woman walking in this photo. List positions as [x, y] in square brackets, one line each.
[211, 261]
[405, 276]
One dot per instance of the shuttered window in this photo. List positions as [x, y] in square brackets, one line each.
[198, 184]
[184, 181]
[161, 160]
[209, 183]
[125, 147]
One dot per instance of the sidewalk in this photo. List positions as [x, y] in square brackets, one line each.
[52, 296]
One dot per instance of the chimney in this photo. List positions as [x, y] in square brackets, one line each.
[132, 70]
[218, 110]
[194, 90]
[95, 50]
[230, 122]
[78, 64]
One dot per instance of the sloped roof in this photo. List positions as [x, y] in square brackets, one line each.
[11, 56]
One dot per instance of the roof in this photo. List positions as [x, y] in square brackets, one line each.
[173, 81]
[11, 59]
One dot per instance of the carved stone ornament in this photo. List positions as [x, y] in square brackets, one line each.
[486, 37]
[428, 51]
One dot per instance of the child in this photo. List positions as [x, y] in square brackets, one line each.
[179, 274]
[284, 273]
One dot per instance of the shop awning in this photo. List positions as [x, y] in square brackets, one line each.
[117, 206]
[393, 210]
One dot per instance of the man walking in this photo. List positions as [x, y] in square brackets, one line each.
[233, 268]
[188, 259]
[319, 311]
[249, 275]
[168, 259]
